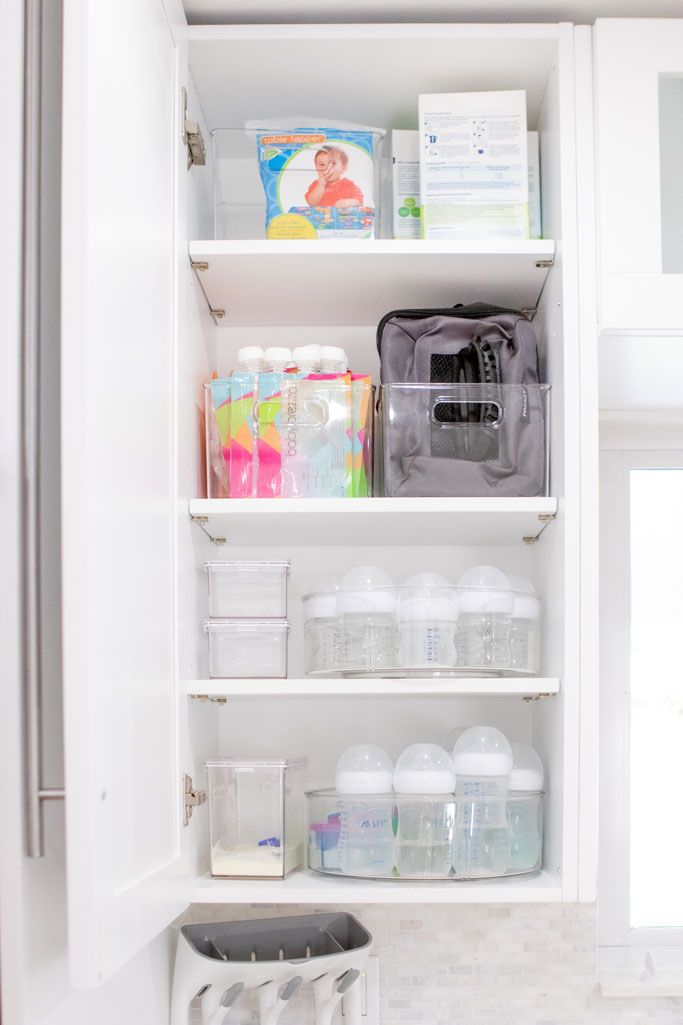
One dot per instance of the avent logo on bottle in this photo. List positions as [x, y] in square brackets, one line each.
[372, 820]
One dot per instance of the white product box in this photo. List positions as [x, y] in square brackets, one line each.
[405, 177]
[474, 180]
[534, 162]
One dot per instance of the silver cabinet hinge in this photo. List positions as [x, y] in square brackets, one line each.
[191, 798]
[193, 139]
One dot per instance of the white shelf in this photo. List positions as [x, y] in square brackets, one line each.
[272, 283]
[310, 888]
[377, 521]
[530, 686]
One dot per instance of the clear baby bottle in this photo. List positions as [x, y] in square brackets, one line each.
[482, 759]
[333, 360]
[364, 781]
[322, 627]
[426, 612]
[307, 359]
[424, 832]
[524, 627]
[367, 603]
[483, 635]
[525, 813]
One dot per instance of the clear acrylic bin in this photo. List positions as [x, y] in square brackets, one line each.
[256, 816]
[427, 836]
[244, 648]
[248, 589]
[239, 197]
[464, 440]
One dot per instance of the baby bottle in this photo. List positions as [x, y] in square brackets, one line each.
[367, 602]
[525, 809]
[322, 627]
[277, 358]
[426, 612]
[524, 627]
[333, 360]
[483, 635]
[307, 359]
[366, 839]
[424, 832]
[482, 758]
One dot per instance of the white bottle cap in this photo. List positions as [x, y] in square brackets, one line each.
[485, 589]
[364, 769]
[526, 602]
[333, 354]
[425, 597]
[276, 354]
[366, 589]
[527, 769]
[249, 353]
[482, 751]
[424, 769]
[307, 356]
[321, 602]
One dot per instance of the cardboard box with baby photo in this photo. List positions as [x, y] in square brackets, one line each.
[321, 180]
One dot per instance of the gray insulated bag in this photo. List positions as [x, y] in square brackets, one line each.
[461, 408]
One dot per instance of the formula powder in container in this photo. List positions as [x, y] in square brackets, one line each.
[321, 179]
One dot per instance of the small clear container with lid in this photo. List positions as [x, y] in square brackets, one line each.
[424, 832]
[367, 604]
[427, 613]
[525, 810]
[525, 632]
[248, 589]
[483, 636]
[256, 816]
[323, 640]
[246, 648]
[363, 780]
[482, 758]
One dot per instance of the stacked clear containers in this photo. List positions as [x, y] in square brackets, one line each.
[362, 624]
[248, 628]
[431, 823]
[256, 813]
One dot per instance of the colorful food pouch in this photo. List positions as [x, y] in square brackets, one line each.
[243, 386]
[320, 180]
[361, 440]
[315, 437]
[217, 432]
[269, 448]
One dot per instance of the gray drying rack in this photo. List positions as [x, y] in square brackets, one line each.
[217, 963]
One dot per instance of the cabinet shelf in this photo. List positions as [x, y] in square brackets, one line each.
[530, 686]
[310, 888]
[300, 279]
[377, 521]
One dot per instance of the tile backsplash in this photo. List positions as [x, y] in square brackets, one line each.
[532, 964]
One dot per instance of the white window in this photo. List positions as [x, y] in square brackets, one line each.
[641, 681]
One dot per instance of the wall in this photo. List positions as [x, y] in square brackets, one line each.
[507, 965]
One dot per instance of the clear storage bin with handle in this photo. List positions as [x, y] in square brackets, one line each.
[248, 589]
[257, 817]
[246, 648]
[464, 440]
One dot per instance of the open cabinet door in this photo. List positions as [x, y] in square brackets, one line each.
[118, 356]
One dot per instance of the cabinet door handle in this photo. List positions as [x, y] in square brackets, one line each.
[36, 793]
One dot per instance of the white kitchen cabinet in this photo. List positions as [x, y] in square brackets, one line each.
[639, 154]
[139, 340]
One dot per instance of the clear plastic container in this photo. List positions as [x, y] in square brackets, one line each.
[256, 816]
[470, 440]
[427, 612]
[248, 589]
[524, 820]
[424, 827]
[366, 838]
[525, 628]
[239, 202]
[482, 758]
[323, 637]
[440, 813]
[367, 604]
[483, 635]
[244, 648]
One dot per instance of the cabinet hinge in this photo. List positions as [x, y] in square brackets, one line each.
[193, 139]
[191, 799]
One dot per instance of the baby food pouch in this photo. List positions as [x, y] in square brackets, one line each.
[320, 181]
